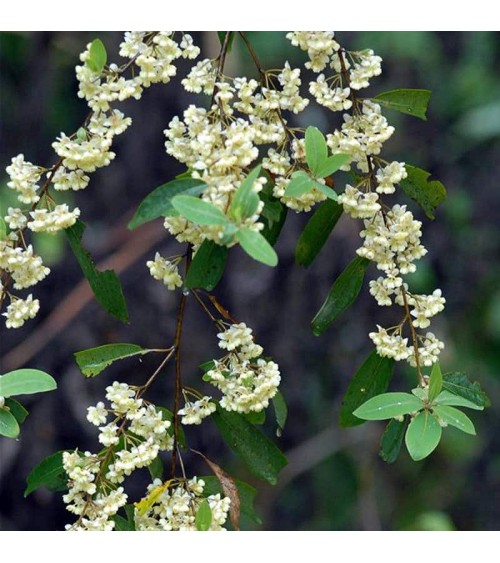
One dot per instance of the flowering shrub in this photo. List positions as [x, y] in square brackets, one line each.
[245, 167]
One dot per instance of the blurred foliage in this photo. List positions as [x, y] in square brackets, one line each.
[343, 485]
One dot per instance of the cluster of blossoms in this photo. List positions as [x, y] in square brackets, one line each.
[165, 271]
[175, 509]
[150, 56]
[133, 438]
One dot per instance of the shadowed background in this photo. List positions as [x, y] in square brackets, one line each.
[335, 480]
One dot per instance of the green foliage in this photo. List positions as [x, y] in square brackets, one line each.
[427, 193]
[256, 246]
[245, 201]
[280, 411]
[26, 382]
[317, 231]
[341, 296]
[9, 426]
[15, 407]
[199, 211]
[412, 102]
[49, 473]
[159, 202]
[94, 360]
[459, 384]
[435, 382]
[254, 448]
[273, 215]
[453, 417]
[122, 524]
[97, 56]
[207, 266]
[203, 517]
[320, 164]
[388, 405]
[3, 229]
[423, 435]
[155, 469]
[371, 379]
[392, 440]
[105, 285]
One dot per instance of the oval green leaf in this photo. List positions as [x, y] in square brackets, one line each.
[392, 440]
[159, 202]
[410, 101]
[9, 426]
[388, 405]
[97, 56]
[280, 411]
[94, 360]
[203, 517]
[460, 384]
[207, 266]
[254, 448]
[105, 285]
[371, 379]
[199, 211]
[452, 400]
[342, 295]
[49, 473]
[256, 246]
[332, 164]
[435, 382]
[316, 149]
[456, 418]
[245, 201]
[26, 382]
[15, 407]
[300, 183]
[423, 435]
[316, 232]
[428, 194]
[3, 229]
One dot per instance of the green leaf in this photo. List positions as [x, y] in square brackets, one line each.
[371, 379]
[156, 468]
[392, 440]
[199, 211]
[245, 201]
[316, 232]
[254, 448]
[3, 229]
[273, 216]
[256, 417]
[342, 295]
[9, 426]
[280, 411]
[423, 435]
[428, 194]
[332, 164]
[203, 517]
[411, 101]
[388, 405]
[122, 524]
[316, 149]
[330, 194]
[49, 473]
[207, 266]
[459, 384]
[256, 246]
[15, 407]
[454, 417]
[105, 285]
[94, 360]
[159, 202]
[26, 382]
[97, 56]
[452, 400]
[300, 183]
[435, 382]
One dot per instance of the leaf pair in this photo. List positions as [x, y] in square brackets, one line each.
[320, 164]
[244, 205]
[431, 408]
[20, 382]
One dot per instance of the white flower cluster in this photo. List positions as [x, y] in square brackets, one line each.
[176, 508]
[247, 381]
[165, 271]
[151, 56]
[194, 413]
[145, 434]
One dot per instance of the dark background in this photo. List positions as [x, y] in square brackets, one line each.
[335, 480]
